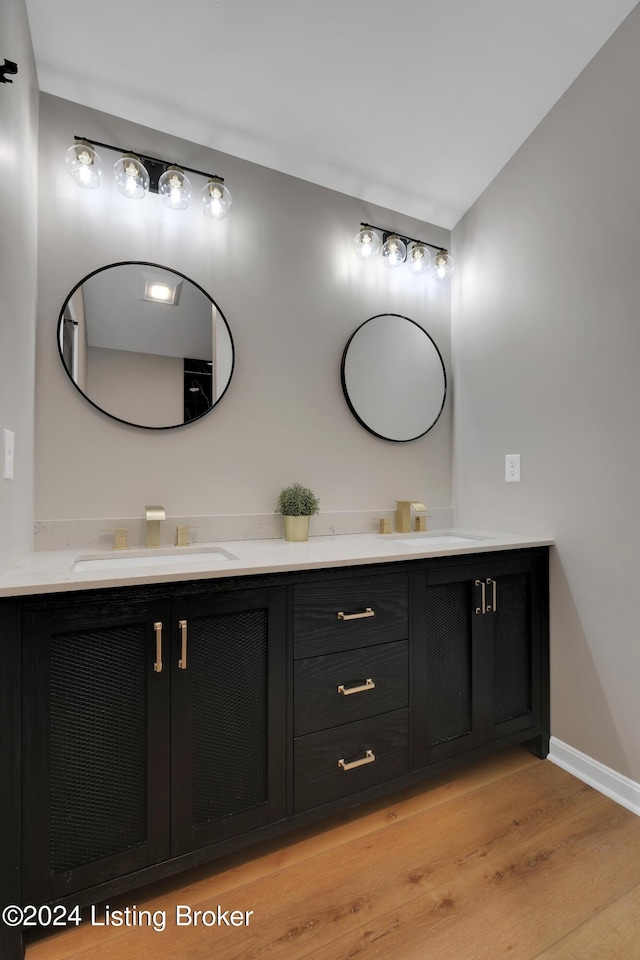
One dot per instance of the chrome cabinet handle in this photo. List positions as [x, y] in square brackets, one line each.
[182, 662]
[157, 666]
[483, 589]
[369, 757]
[360, 615]
[369, 684]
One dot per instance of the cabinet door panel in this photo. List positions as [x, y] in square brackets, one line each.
[228, 743]
[444, 706]
[96, 764]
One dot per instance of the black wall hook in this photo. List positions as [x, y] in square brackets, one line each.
[8, 67]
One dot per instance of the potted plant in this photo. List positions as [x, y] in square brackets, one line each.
[296, 504]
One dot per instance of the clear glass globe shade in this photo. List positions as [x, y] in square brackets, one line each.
[175, 188]
[84, 165]
[394, 252]
[367, 244]
[419, 259]
[132, 177]
[216, 200]
[442, 265]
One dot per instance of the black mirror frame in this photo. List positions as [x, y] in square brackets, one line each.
[346, 392]
[143, 263]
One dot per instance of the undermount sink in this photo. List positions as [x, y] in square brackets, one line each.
[170, 557]
[436, 539]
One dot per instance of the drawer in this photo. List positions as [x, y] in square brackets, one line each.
[342, 687]
[383, 742]
[343, 614]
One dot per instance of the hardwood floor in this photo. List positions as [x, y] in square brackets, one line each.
[510, 857]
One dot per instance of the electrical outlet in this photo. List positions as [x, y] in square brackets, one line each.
[8, 438]
[512, 468]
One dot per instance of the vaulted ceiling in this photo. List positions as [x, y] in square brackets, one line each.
[414, 105]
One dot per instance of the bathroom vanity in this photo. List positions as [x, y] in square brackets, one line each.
[162, 722]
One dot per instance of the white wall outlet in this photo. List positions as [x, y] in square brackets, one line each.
[8, 438]
[512, 468]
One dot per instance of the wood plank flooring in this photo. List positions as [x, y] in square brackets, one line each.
[509, 857]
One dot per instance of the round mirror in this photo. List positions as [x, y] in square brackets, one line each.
[145, 345]
[393, 378]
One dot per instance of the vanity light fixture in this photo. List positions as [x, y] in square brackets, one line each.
[137, 174]
[132, 177]
[367, 243]
[84, 165]
[216, 199]
[174, 187]
[398, 249]
[394, 251]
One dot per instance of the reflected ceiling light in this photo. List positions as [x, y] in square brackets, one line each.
[132, 177]
[216, 199]
[137, 174]
[398, 249]
[394, 251]
[84, 165]
[174, 187]
[367, 243]
[158, 289]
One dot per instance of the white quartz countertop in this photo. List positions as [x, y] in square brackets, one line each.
[55, 571]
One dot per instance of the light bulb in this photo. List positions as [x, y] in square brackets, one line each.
[160, 291]
[175, 188]
[131, 176]
[367, 243]
[394, 251]
[84, 165]
[419, 259]
[216, 199]
[442, 265]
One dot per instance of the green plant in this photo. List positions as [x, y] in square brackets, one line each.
[297, 501]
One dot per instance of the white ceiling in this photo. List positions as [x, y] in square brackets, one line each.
[414, 105]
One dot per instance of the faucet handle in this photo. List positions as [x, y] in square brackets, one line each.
[119, 537]
[182, 535]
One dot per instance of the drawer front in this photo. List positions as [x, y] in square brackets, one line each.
[341, 687]
[382, 742]
[344, 614]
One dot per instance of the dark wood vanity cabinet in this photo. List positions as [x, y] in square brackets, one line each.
[152, 728]
[350, 685]
[481, 662]
[163, 726]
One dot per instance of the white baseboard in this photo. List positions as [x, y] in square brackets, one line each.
[612, 784]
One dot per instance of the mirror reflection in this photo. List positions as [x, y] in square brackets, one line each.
[393, 377]
[145, 345]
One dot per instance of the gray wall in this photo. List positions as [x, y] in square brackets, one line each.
[546, 339]
[18, 208]
[282, 270]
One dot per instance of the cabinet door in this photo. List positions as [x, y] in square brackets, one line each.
[96, 738]
[476, 656]
[228, 705]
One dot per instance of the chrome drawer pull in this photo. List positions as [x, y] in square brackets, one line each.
[158, 662]
[369, 684]
[367, 612]
[182, 662]
[369, 757]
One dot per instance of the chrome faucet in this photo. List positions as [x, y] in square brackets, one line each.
[153, 516]
[403, 514]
